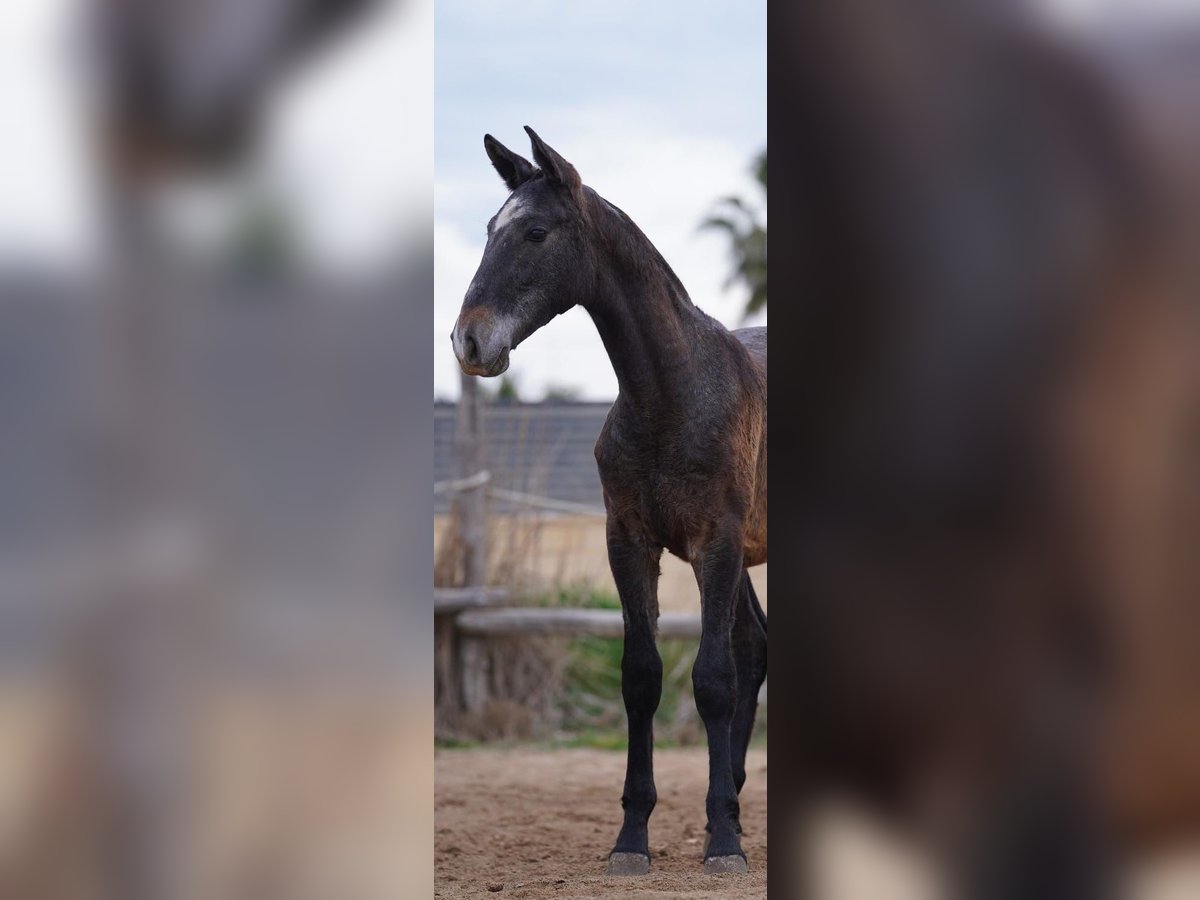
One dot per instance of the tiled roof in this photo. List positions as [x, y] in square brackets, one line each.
[536, 448]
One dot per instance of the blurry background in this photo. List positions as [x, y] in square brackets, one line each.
[215, 300]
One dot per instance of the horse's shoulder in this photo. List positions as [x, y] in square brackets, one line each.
[607, 443]
[623, 445]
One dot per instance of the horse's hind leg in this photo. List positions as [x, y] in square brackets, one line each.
[720, 572]
[750, 659]
[635, 570]
[750, 656]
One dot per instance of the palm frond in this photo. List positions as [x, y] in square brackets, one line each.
[747, 234]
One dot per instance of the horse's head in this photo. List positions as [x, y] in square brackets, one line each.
[537, 262]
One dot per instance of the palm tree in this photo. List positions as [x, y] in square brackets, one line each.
[747, 232]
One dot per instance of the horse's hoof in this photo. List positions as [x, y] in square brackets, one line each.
[629, 864]
[726, 865]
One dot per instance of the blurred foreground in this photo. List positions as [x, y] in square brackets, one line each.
[990, 505]
[215, 672]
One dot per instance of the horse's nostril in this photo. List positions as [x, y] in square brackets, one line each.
[471, 350]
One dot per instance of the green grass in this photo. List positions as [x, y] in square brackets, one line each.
[577, 596]
[593, 714]
[453, 743]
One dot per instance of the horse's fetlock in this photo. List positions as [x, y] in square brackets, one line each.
[641, 804]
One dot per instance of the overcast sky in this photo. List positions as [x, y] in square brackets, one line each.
[661, 107]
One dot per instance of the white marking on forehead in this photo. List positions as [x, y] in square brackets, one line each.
[508, 212]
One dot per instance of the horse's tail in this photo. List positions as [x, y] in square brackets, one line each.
[755, 606]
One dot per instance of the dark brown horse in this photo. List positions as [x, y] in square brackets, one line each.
[682, 457]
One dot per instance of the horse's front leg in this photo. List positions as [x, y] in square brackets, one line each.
[635, 570]
[719, 571]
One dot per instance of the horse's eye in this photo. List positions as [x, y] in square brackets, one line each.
[536, 234]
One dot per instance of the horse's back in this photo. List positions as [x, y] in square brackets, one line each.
[755, 341]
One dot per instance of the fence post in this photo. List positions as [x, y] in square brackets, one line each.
[471, 507]
[470, 504]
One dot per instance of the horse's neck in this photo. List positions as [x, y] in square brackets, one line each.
[651, 330]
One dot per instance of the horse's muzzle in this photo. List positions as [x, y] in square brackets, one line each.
[481, 346]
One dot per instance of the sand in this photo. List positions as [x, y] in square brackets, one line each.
[539, 823]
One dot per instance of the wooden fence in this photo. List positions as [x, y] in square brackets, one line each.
[466, 618]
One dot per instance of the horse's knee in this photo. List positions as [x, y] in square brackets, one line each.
[641, 678]
[714, 682]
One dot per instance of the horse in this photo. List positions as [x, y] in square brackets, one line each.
[682, 458]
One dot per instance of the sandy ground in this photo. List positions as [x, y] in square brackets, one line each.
[537, 823]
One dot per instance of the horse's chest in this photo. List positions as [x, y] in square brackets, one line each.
[670, 506]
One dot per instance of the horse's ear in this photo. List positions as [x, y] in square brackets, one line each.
[557, 169]
[513, 168]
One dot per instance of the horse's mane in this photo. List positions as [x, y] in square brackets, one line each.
[620, 231]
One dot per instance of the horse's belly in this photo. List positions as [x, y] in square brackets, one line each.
[685, 536]
[756, 548]
[679, 511]
[756, 525]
